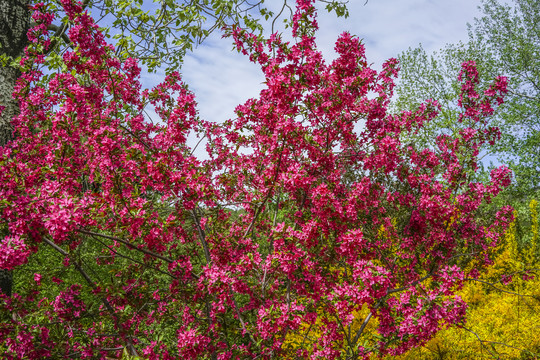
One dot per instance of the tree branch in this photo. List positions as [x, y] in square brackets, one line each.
[499, 289]
[131, 246]
[202, 237]
[481, 342]
[361, 330]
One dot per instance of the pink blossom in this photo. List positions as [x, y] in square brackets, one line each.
[13, 252]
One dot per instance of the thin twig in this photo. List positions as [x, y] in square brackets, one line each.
[131, 246]
[481, 341]
[244, 328]
[499, 289]
[202, 237]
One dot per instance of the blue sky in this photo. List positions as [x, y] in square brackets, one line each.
[222, 79]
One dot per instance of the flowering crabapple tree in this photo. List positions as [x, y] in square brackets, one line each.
[308, 209]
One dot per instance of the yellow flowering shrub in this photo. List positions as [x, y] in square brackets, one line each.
[503, 320]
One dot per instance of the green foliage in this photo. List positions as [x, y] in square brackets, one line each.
[162, 32]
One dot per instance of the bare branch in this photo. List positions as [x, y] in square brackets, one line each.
[481, 342]
[132, 259]
[361, 330]
[499, 289]
[202, 237]
[60, 31]
[93, 286]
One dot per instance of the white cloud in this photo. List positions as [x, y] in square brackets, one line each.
[220, 78]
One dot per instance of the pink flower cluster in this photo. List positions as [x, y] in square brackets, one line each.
[13, 252]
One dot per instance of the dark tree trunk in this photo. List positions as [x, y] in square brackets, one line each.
[14, 24]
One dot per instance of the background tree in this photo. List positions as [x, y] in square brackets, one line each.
[505, 40]
[14, 23]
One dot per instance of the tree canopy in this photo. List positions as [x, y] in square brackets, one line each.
[128, 244]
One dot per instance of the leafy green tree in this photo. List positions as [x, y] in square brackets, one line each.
[504, 41]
